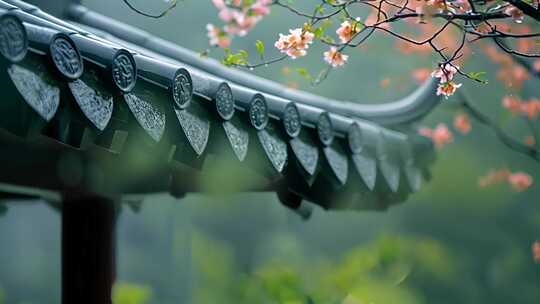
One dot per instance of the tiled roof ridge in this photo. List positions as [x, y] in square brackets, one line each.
[403, 111]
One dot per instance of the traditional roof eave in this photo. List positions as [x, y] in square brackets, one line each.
[383, 160]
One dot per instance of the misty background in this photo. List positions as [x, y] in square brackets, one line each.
[452, 242]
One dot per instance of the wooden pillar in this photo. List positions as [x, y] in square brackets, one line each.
[88, 250]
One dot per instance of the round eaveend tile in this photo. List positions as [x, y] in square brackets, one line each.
[124, 71]
[325, 129]
[182, 89]
[13, 38]
[225, 101]
[66, 57]
[291, 120]
[258, 112]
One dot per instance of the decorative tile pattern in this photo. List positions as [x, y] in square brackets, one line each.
[151, 119]
[96, 105]
[196, 126]
[40, 95]
[238, 137]
[274, 146]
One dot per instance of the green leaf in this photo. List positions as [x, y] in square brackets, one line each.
[240, 58]
[260, 48]
[319, 9]
[304, 73]
[477, 76]
[318, 32]
[243, 53]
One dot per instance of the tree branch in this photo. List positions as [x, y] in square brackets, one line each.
[155, 16]
[525, 8]
[504, 137]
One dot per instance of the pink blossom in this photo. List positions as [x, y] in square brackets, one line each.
[447, 89]
[376, 18]
[515, 13]
[241, 23]
[335, 58]
[428, 8]
[512, 103]
[536, 251]
[494, 177]
[295, 44]
[536, 65]
[217, 36]
[241, 16]
[347, 31]
[225, 15]
[530, 141]
[531, 108]
[261, 7]
[445, 73]
[462, 123]
[440, 136]
[421, 74]
[219, 4]
[520, 181]
[303, 38]
[426, 132]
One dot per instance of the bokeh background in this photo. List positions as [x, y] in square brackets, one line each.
[453, 242]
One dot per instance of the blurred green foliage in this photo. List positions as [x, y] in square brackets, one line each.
[2, 296]
[129, 293]
[380, 271]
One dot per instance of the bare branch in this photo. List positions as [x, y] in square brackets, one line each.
[156, 16]
[504, 137]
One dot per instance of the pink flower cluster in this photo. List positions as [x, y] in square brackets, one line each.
[348, 30]
[420, 74]
[335, 58]
[296, 43]
[529, 108]
[536, 251]
[440, 135]
[240, 17]
[519, 181]
[445, 73]
[462, 123]
[217, 36]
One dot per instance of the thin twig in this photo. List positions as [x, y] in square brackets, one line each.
[157, 16]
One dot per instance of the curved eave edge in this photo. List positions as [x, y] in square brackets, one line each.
[403, 111]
